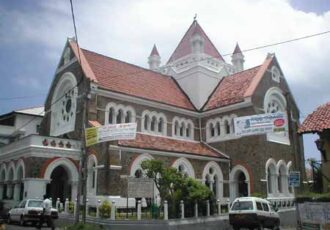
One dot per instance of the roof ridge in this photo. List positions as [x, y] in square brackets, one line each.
[134, 65]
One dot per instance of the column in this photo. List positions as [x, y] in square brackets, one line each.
[17, 189]
[139, 210]
[98, 208]
[207, 208]
[182, 209]
[219, 207]
[66, 206]
[74, 188]
[9, 190]
[196, 209]
[165, 210]
[1, 191]
[113, 211]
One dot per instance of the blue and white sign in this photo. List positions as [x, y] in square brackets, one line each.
[294, 179]
[260, 124]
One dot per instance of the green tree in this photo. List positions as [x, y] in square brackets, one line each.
[174, 186]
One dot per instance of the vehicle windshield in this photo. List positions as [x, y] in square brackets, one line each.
[242, 205]
[35, 203]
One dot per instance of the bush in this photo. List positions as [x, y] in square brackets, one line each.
[71, 207]
[105, 209]
[81, 226]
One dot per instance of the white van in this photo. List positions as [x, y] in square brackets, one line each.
[253, 212]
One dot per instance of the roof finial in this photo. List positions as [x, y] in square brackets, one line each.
[195, 17]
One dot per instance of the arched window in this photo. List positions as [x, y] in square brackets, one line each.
[92, 174]
[212, 130]
[188, 130]
[138, 173]
[120, 116]
[153, 123]
[213, 178]
[128, 117]
[117, 114]
[146, 121]
[227, 127]
[218, 128]
[271, 175]
[184, 166]
[160, 125]
[176, 128]
[181, 129]
[274, 102]
[111, 116]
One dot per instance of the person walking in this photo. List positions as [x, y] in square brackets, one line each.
[46, 214]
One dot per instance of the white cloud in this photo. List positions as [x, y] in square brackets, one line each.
[128, 29]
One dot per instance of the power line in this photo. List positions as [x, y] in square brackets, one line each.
[142, 70]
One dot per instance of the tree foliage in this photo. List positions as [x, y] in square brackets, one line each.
[173, 185]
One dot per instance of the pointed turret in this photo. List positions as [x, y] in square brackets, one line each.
[237, 59]
[154, 59]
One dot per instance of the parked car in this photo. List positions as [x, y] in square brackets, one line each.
[253, 212]
[28, 210]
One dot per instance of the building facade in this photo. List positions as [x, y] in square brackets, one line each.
[184, 112]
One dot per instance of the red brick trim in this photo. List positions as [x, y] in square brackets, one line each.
[49, 161]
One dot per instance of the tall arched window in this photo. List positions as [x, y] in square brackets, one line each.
[146, 121]
[160, 125]
[227, 127]
[218, 128]
[120, 116]
[274, 102]
[111, 119]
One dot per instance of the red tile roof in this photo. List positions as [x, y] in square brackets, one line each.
[184, 47]
[144, 141]
[231, 89]
[121, 77]
[317, 121]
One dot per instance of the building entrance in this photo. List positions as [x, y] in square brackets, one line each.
[59, 186]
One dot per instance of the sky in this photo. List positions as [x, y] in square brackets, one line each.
[33, 34]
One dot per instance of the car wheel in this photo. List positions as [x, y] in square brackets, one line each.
[22, 221]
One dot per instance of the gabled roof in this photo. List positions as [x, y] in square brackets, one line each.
[235, 88]
[317, 121]
[121, 77]
[36, 111]
[184, 47]
[158, 143]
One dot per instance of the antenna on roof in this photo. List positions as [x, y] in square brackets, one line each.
[195, 18]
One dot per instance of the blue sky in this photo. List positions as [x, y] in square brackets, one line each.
[33, 33]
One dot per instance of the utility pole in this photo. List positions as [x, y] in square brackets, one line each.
[82, 188]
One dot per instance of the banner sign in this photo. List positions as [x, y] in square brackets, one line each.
[294, 179]
[260, 124]
[124, 131]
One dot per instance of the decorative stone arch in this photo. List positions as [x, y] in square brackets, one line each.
[188, 168]
[215, 177]
[92, 174]
[20, 164]
[136, 164]
[213, 123]
[238, 187]
[271, 175]
[276, 74]
[11, 170]
[3, 171]
[64, 105]
[67, 164]
[227, 130]
[289, 166]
